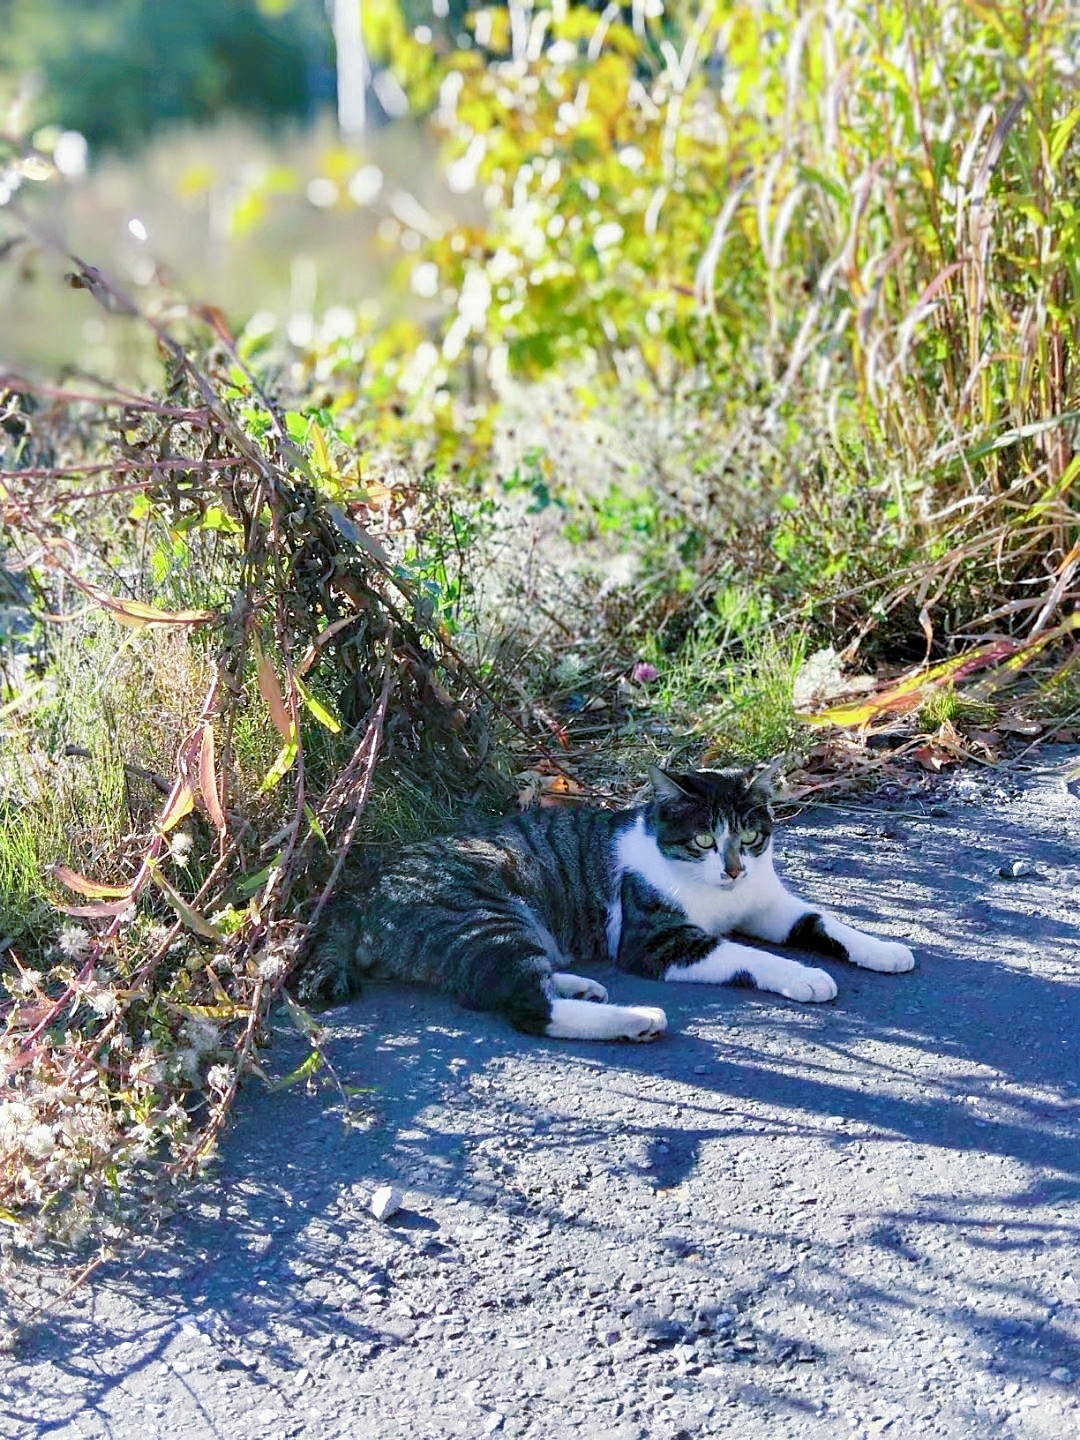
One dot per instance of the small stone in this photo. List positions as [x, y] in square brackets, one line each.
[1016, 869]
[658, 1330]
[1061, 1376]
[940, 810]
[494, 1422]
[385, 1202]
[701, 1069]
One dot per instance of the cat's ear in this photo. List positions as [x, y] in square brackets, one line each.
[763, 780]
[665, 786]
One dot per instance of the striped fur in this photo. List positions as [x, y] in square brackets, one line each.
[502, 918]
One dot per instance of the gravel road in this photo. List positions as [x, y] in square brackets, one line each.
[853, 1219]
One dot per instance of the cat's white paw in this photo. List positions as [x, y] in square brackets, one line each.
[578, 987]
[891, 957]
[583, 1020]
[809, 986]
[647, 1022]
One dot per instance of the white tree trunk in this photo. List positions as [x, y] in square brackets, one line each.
[352, 66]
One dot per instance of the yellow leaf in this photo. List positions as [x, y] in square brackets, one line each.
[180, 803]
[319, 710]
[324, 461]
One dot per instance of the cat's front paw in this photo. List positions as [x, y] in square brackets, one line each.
[890, 957]
[809, 986]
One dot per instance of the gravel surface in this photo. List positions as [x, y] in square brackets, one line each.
[780, 1220]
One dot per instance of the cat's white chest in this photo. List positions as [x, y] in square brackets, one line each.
[713, 908]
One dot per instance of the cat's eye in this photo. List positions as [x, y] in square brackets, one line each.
[705, 841]
[747, 837]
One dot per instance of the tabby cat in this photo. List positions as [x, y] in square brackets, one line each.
[501, 918]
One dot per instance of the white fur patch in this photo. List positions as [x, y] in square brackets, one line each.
[583, 1020]
[702, 890]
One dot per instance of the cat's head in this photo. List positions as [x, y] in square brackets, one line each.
[716, 821]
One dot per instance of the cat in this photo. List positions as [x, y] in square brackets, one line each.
[503, 917]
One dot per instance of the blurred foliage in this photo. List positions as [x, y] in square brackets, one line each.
[835, 246]
[116, 70]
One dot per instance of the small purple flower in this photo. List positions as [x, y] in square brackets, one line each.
[643, 671]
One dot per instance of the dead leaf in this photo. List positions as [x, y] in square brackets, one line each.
[933, 757]
[208, 781]
[217, 322]
[270, 691]
[1015, 723]
[99, 911]
[90, 888]
[990, 739]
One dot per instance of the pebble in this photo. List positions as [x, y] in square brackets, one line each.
[657, 1330]
[1061, 1375]
[1015, 869]
[385, 1202]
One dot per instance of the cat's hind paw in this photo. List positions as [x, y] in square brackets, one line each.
[652, 1022]
[582, 1020]
[577, 987]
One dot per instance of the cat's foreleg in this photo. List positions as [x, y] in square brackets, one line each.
[787, 920]
[730, 963]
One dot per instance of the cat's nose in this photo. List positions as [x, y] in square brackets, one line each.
[734, 869]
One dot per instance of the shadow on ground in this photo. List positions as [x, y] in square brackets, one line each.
[882, 1194]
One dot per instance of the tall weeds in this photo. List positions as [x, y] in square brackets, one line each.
[836, 245]
[219, 650]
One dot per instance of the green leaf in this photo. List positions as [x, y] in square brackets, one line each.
[1060, 134]
[250, 883]
[318, 709]
[304, 1071]
[285, 760]
[190, 916]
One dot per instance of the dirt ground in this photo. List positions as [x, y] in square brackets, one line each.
[860, 1218]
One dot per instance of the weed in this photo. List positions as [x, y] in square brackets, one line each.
[947, 705]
